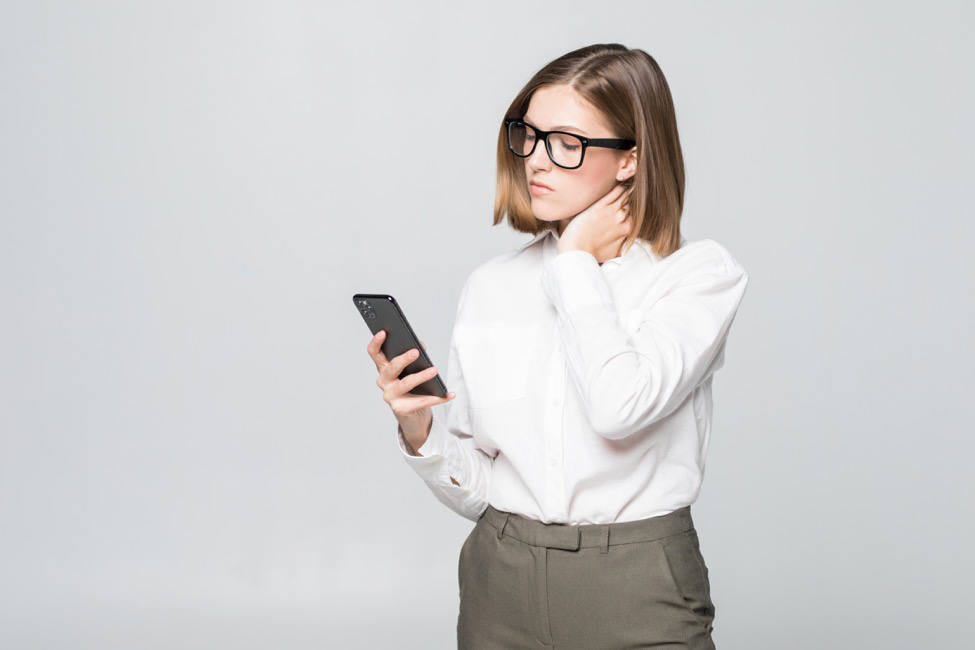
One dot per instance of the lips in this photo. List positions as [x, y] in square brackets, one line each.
[541, 185]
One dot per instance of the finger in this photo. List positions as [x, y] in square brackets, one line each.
[427, 400]
[375, 350]
[423, 344]
[614, 194]
[411, 381]
[627, 202]
[626, 227]
[391, 372]
[401, 389]
[610, 196]
[617, 201]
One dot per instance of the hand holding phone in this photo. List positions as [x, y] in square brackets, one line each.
[382, 312]
[409, 381]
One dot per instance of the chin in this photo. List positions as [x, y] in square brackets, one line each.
[547, 215]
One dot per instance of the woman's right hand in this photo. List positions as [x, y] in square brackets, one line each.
[412, 411]
[602, 228]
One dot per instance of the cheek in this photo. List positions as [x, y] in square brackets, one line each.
[592, 173]
[579, 188]
[583, 188]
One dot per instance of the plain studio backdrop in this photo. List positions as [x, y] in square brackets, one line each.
[194, 451]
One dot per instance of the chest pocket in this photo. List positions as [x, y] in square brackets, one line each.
[496, 360]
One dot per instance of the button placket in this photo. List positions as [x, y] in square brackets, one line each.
[554, 400]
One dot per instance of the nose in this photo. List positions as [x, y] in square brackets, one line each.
[539, 158]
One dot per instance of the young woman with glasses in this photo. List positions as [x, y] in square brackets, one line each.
[581, 366]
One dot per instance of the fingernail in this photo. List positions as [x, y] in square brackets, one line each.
[414, 353]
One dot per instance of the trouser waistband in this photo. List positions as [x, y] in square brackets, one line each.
[573, 537]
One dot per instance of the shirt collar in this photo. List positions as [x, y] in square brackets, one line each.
[639, 245]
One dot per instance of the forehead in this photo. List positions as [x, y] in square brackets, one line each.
[557, 105]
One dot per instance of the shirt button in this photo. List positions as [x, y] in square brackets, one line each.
[552, 462]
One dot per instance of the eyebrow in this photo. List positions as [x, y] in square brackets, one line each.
[556, 128]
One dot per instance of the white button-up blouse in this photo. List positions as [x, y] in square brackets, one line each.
[583, 390]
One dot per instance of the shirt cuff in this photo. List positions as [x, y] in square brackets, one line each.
[573, 281]
[432, 464]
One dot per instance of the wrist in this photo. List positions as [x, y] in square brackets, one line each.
[566, 245]
[416, 433]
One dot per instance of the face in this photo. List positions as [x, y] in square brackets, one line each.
[559, 108]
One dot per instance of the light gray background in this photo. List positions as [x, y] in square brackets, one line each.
[194, 452]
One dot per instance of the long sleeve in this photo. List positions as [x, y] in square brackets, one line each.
[629, 382]
[451, 451]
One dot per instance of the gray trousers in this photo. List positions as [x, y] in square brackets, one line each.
[633, 584]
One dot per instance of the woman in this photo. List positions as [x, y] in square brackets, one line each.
[581, 366]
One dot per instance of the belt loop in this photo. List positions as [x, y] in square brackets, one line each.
[504, 522]
[605, 540]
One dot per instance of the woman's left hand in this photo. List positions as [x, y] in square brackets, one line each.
[601, 228]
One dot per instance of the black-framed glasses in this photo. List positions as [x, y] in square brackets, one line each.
[566, 150]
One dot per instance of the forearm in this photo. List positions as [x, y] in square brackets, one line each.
[630, 376]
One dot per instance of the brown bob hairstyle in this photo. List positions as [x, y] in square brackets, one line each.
[629, 89]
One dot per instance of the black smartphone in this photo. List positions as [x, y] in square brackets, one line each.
[382, 312]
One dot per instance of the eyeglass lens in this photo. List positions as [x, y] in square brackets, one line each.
[564, 150]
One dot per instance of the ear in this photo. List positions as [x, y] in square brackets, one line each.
[628, 169]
